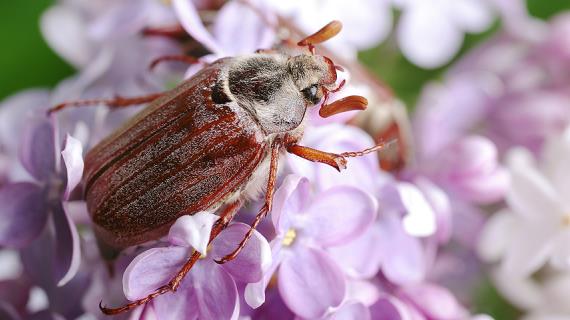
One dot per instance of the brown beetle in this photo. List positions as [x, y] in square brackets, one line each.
[209, 144]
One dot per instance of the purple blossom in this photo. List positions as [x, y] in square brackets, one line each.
[506, 84]
[419, 302]
[305, 226]
[27, 206]
[209, 291]
[469, 169]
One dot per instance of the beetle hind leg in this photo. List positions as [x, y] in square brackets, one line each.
[117, 102]
[226, 217]
[178, 58]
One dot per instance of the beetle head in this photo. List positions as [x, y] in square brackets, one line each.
[313, 76]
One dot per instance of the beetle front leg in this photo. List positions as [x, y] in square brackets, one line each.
[334, 160]
[117, 102]
[337, 161]
[266, 206]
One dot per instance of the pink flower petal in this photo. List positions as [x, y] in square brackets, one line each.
[23, 214]
[239, 20]
[405, 262]
[435, 302]
[152, 269]
[192, 23]
[216, 292]
[339, 214]
[351, 310]
[360, 258]
[251, 262]
[73, 160]
[67, 249]
[291, 197]
[181, 304]
[37, 151]
[311, 266]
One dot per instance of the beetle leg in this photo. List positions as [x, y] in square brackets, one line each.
[266, 206]
[337, 161]
[334, 160]
[118, 102]
[226, 217]
[179, 58]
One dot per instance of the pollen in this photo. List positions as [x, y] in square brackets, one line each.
[289, 237]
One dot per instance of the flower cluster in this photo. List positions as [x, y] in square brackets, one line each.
[363, 243]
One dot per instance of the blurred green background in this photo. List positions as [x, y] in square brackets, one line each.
[26, 60]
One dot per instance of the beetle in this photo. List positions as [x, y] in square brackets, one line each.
[211, 143]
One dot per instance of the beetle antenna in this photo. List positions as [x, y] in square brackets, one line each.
[349, 103]
[324, 34]
[381, 145]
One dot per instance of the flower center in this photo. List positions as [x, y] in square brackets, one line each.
[566, 220]
[289, 237]
[203, 256]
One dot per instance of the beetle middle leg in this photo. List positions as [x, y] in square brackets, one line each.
[226, 217]
[117, 102]
[266, 208]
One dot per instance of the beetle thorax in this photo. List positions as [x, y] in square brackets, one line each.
[276, 88]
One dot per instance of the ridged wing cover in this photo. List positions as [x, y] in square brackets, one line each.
[182, 154]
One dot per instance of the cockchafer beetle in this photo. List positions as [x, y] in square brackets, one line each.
[209, 144]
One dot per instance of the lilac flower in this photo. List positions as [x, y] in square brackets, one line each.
[62, 300]
[305, 226]
[209, 291]
[506, 84]
[365, 22]
[468, 169]
[534, 229]
[419, 302]
[250, 19]
[28, 205]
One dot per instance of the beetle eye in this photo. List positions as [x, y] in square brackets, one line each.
[310, 93]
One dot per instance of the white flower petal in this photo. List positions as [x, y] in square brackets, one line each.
[193, 231]
[420, 219]
[529, 248]
[496, 235]
[426, 36]
[530, 194]
[65, 32]
[471, 15]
